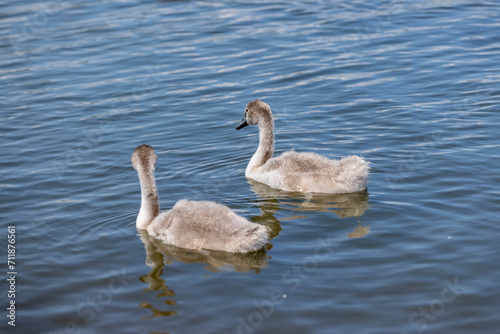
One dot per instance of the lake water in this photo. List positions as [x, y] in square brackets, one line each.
[412, 87]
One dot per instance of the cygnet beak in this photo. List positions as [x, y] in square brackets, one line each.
[242, 124]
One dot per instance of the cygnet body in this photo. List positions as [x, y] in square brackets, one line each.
[192, 224]
[300, 172]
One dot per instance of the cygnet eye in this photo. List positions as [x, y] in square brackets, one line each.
[246, 111]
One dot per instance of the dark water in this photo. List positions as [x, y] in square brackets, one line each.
[412, 87]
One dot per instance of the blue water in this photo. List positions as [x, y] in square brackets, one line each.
[412, 87]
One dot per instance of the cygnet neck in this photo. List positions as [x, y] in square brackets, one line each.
[150, 203]
[266, 143]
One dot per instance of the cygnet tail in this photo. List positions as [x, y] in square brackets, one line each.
[354, 172]
[255, 238]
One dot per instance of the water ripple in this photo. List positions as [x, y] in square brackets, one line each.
[411, 86]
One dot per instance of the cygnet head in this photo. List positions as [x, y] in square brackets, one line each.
[144, 158]
[256, 112]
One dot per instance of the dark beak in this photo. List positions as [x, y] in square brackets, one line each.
[242, 124]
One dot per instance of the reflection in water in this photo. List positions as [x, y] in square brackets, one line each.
[272, 201]
[343, 205]
[154, 260]
[159, 254]
[359, 231]
[267, 217]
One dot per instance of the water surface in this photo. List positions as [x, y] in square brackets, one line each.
[412, 87]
